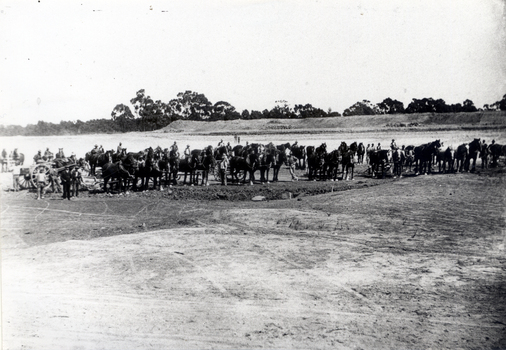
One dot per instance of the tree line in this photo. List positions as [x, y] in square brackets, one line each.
[149, 114]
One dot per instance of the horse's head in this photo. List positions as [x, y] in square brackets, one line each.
[475, 145]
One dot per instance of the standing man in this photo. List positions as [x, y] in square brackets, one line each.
[53, 181]
[484, 155]
[291, 161]
[16, 172]
[118, 150]
[393, 145]
[66, 181]
[76, 177]
[224, 164]
[187, 153]
[41, 184]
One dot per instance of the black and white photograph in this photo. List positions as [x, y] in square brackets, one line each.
[252, 174]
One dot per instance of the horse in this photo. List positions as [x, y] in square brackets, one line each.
[474, 149]
[440, 159]
[348, 162]
[360, 153]
[461, 155]
[353, 148]
[208, 162]
[97, 159]
[331, 164]
[449, 160]
[115, 171]
[279, 159]
[130, 164]
[189, 166]
[247, 164]
[148, 169]
[220, 152]
[162, 156]
[237, 151]
[379, 159]
[423, 156]
[266, 161]
[398, 158]
[496, 150]
[299, 152]
[409, 155]
[316, 162]
[173, 168]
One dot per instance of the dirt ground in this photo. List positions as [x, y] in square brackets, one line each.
[412, 263]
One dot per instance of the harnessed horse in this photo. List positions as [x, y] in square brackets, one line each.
[423, 156]
[461, 156]
[474, 149]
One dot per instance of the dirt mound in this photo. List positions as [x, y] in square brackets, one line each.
[355, 123]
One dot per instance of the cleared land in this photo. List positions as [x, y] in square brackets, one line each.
[417, 262]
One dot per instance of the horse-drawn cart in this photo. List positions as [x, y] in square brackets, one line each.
[28, 176]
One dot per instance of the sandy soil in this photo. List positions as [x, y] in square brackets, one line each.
[417, 262]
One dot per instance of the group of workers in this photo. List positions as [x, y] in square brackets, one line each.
[67, 181]
[49, 156]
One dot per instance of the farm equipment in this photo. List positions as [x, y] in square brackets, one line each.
[28, 176]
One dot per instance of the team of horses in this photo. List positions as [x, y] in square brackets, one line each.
[166, 167]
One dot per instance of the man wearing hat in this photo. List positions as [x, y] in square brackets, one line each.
[48, 156]
[66, 180]
[393, 145]
[37, 157]
[60, 153]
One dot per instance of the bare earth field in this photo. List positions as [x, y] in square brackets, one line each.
[412, 263]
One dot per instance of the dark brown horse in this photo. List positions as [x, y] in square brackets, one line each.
[299, 152]
[111, 171]
[279, 159]
[207, 162]
[316, 162]
[424, 155]
[97, 159]
[331, 164]
[348, 161]
[247, 164]
[379, 160]
[473, 150]
[398, 159]
[461, 155]
[360, 153]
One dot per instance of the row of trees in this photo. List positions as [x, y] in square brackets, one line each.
[149, 114]
[191, 105]
[424, 105]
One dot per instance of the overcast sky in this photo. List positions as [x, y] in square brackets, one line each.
[70, 60]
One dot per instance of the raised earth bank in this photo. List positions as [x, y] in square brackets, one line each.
[398, 122]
